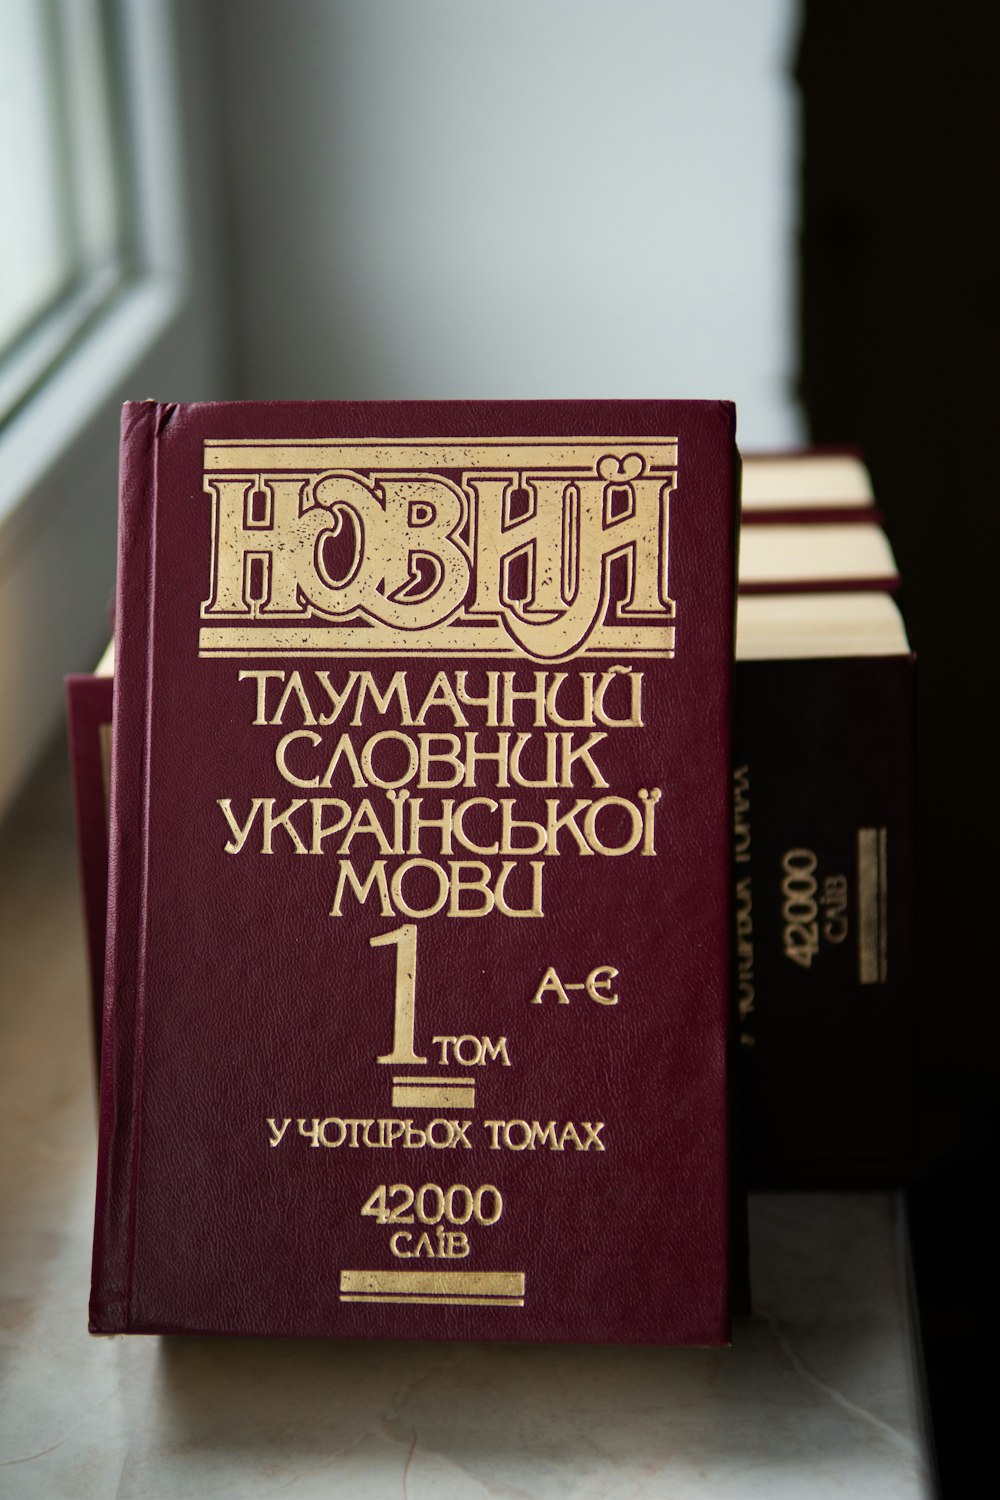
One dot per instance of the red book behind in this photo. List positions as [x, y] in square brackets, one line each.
[418, 971]
[88, 716]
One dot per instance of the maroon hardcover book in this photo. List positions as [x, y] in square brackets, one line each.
[418, 958]
[88, 718]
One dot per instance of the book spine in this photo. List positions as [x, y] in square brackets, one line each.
[823, 893]
[122, 1046]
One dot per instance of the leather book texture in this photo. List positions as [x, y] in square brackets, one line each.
[804, 1080]
[418, 972]
[824, 812]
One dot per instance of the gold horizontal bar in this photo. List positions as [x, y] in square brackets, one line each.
[605, 654]
[420, 1078]
[436, 640]
[444, 1301]
[871, 898]
[434, 1283]
[411, 1096]
[433, 453]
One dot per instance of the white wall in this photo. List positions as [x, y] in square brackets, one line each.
[513, 198]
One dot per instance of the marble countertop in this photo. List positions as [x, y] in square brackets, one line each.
[818, 1397]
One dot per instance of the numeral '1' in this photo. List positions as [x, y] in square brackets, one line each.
[405, 940]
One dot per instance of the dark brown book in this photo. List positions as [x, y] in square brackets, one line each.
[418, 948]
[824, 744]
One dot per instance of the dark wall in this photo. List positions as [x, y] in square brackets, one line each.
[898, 323]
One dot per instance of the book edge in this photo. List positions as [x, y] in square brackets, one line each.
[121, 1052]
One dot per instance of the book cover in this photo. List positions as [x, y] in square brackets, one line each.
[418, 943]
[788, 1081]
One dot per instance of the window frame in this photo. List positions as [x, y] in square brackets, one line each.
[157, 334]
[89, 187]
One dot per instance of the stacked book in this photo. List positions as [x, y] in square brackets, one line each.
[824, 744]
[442, 810]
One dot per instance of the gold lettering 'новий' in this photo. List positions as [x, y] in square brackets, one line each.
[335, 548]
